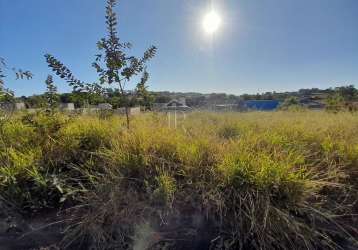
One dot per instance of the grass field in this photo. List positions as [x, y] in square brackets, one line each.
[280, 180]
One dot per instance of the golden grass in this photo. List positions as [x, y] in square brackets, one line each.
[258, 180]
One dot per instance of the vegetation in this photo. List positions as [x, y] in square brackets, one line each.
[117, 67]
[144, 97]
[6, 95]
[339, 98]
[278, 180]
[51, 93]
[290, 103]
[335, 103]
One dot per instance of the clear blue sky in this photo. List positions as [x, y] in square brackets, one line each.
[262, 45]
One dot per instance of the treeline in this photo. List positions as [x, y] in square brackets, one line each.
[83, 99]
[347, 92]
[80, 99]
[331, 96]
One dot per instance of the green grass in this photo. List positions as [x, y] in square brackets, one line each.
[283, 180]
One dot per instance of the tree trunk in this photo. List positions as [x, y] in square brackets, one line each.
[126, 104]
[127, 116]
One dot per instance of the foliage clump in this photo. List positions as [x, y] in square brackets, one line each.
[6, 95]
[51, 93]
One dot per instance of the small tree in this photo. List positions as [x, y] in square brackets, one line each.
[6, 94]
[112, 64]
[144, 97]
[51, 93]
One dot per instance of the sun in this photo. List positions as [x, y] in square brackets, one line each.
[211, 22]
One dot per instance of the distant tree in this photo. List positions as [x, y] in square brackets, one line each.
[80, 99]
[112, 64]
[348, 93]
[232, 99]
[291, 102]
[162, 98]
[116, 101]
[258, 96]
[195, 101]
[268, 96]
[217, 98]
[36, 101]
[66, 98]
[246, 97]
[335, 103]
[51, 93]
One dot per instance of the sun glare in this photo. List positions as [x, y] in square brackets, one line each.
[211, 22]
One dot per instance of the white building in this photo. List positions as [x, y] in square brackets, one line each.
[104, 106]
[131, 111]
[179, 105]
[20, 106]
[67, 106]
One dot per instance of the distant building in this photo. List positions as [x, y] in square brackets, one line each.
[182, 100]
[6, 106]
[90, 109]
[225, 107]
[308, 102]
[67, 106]
[158, 106]
[176, 104]
[9, 107]
[20, 106]
[104, 106]
[353, 106]
[131, 111]
[261, 105]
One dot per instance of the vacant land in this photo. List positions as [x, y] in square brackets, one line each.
[281, 180]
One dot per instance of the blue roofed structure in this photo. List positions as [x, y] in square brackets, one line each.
[261, 105]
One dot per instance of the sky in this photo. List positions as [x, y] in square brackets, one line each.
[261, 45]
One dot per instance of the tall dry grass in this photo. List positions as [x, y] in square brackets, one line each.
[281, 180]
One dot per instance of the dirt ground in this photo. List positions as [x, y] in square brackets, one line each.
[18, 233]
